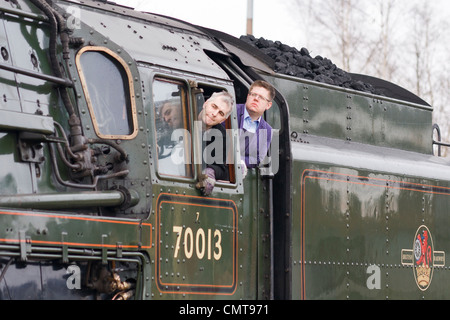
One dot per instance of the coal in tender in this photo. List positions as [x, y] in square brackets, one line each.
[299, 63]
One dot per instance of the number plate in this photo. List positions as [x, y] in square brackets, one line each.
[196, 249]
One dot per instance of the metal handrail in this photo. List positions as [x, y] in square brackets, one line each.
[34, 74]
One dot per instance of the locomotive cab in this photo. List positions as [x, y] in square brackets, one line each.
[103, 185]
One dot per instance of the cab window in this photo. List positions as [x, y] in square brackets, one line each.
[173, 133]
[207, 91]
[108, 87]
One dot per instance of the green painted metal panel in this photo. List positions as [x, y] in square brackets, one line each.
[17, 121]
[53, 229]
[327, 111]
[350, 220]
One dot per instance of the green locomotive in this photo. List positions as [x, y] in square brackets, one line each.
[352, 204]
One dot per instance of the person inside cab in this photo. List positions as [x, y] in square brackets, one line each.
[215, 111]
[255, 133]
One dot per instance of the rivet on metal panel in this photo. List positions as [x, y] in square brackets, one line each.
[5, 53]
[34, 60]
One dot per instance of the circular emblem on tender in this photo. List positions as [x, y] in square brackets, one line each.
[423, 258]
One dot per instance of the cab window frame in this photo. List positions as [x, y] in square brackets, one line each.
[228, 125]
[129, 92]
[186, 109]
[191, 109]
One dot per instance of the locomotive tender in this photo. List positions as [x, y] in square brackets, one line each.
[353, 203]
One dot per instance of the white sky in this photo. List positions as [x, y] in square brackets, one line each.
[273, 20]
[270, 20]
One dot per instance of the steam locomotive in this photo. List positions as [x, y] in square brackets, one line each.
[353, 203]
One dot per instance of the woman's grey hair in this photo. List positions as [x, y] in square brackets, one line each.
[226, 97]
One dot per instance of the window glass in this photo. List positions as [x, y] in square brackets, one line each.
[108, 91]
[172, 129]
